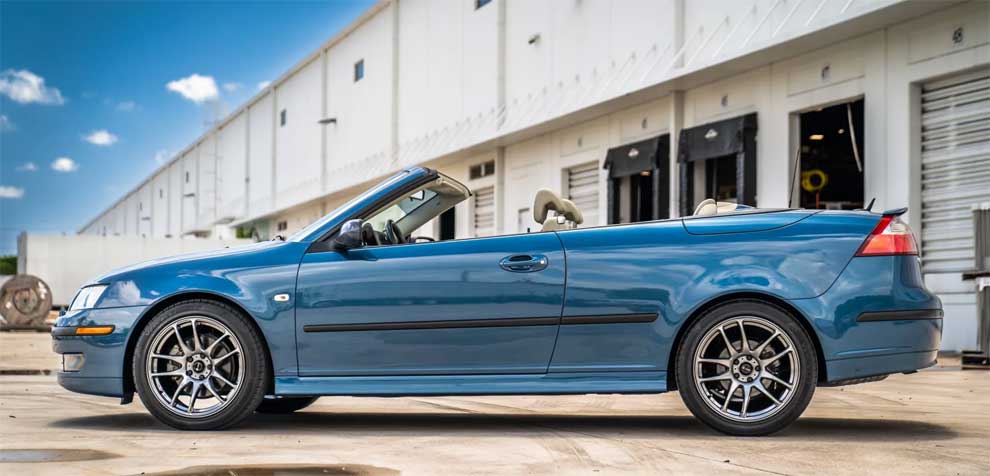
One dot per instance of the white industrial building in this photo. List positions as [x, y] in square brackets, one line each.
[635, 109]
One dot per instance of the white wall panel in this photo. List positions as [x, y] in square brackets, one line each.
[260, 163]
[159, 204]
[362, 108]
[190, 199]
[528, 67]
[174, 195]
[431, 65]
[298, 143]
[206, 191]
[231, 168]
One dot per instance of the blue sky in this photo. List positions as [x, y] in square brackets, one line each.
[94, 94]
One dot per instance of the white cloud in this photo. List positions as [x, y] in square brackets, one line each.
[26, 87]
[11, 192]
[6, 124]
[28, 167]
[102, 138]
[126, 106]
[161, 156]
[231, 87]
[263, 85]
[64, 164]
[195, 88]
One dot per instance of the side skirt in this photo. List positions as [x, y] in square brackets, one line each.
[527, 384]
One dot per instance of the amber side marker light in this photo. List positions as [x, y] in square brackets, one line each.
[94, 330]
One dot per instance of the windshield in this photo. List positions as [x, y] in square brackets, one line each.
[371, 192]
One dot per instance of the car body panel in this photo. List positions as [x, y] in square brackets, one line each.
[444, 283]
[604, 316]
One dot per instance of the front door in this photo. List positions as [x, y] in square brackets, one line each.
[475, 306]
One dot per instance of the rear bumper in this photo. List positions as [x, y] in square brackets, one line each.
[861, 367]
[103, 370]
[876, 319]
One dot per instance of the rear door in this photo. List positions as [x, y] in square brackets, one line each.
[485, 305]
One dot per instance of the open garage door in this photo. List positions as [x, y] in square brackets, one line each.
[955, 176]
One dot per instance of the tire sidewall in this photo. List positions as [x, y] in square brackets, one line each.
[803, 344]
[253, 384]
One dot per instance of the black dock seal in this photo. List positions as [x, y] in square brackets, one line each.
[474, 323]
[909, 315]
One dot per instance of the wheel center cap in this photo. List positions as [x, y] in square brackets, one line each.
[199, 366]
[746, 368]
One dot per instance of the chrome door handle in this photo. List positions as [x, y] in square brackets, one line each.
[524, 263]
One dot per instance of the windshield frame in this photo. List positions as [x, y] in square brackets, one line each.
[316, 230]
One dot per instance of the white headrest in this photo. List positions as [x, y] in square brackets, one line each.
[545, 201]
[709, 207]
[572, 212]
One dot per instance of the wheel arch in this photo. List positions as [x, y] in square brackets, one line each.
[154, 309]
[736, 297]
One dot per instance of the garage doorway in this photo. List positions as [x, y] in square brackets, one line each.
[831, 161]
[638, 181]
[718, 160]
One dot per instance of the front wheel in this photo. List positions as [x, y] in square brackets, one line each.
[746, 368]
[199, 365]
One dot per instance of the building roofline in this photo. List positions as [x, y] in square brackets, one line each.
[365, 17]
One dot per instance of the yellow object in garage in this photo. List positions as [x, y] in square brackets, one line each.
[814, 180]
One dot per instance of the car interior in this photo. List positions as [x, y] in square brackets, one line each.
[396, 222]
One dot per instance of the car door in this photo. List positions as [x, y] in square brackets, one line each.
[485, 305]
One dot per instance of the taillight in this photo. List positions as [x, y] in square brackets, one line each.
[890, 237]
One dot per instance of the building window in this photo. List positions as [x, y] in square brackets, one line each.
[187, 177]
[140, 206]
[161, 193]
[281, 118]
[282, 225]
[358, 70]
[480, 3]
[482, 170]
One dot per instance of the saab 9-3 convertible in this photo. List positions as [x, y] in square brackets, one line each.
[745, 311]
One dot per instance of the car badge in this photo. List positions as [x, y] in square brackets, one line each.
[281, 297]
[711, 134]
[634, 153]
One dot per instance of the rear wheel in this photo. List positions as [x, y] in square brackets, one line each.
[284, 404]
[747, 368]
[199, 365]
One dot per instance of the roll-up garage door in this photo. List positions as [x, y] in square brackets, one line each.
[484, 211]
[955, 173]
[582, 189]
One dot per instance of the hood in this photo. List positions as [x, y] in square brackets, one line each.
[188, 257]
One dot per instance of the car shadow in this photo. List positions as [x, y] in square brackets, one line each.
[524, 425]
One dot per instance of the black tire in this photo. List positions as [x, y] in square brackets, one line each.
[256, 372]
[806, 373]
[281, 405]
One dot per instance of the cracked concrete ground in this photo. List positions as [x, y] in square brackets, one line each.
[933, 422]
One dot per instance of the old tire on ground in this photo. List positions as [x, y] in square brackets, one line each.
[747, 368]
[200, 365]
[25, 302]
[280, 405]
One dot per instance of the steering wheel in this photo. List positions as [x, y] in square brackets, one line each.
[393, 233]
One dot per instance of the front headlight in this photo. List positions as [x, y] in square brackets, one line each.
[86, 297]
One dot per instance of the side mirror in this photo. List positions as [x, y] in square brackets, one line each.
[349, 236]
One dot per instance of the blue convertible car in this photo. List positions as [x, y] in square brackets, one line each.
[743, 311]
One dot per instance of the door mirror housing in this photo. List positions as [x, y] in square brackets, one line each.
[349, 236]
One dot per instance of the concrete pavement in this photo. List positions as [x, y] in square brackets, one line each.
[933, 422]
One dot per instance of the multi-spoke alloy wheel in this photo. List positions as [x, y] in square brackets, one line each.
[196, 366]
[200, 365]
[746, 368]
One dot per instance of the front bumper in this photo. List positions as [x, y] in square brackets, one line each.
[103, 370]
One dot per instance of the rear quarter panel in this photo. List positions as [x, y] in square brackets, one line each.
[661, 267]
